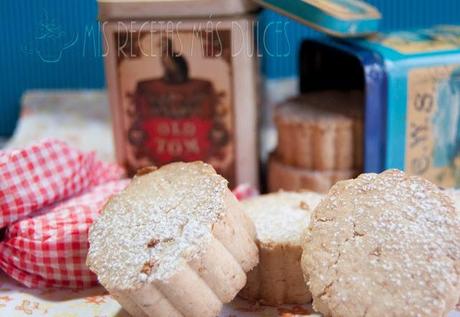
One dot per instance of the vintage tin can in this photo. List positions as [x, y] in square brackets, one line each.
[183, 87]
[422, 101]
[411, 81]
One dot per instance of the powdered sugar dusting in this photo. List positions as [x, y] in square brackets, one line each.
[388, 244]
[281, 217]
[454, 194]
[161, 219]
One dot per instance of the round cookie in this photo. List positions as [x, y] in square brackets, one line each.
[175, 242]
[280, 221]
[383, 245]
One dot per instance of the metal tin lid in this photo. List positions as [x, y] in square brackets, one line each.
[147, 9]
[401, 45]
[340, 18]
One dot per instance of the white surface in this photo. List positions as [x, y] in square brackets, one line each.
[18, 301]
[81, 118]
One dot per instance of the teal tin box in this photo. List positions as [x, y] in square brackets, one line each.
[410, 80]
[421, 101]
[411, 83]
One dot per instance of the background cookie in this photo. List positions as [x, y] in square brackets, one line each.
[280, 221]
[384, 245]
[290, 178]
[321, 130]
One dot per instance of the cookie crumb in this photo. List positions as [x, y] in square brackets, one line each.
[147, 267]
[303, 205]
[377, 251]
[146, 170]
[153, 243]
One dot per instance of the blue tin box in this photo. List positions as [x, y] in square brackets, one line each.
[411, 81]
[422, 70]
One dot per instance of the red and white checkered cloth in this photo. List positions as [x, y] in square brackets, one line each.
[49, 250]
[49, 195]
[45, 173]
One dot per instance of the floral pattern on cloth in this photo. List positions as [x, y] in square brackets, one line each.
[19, 301]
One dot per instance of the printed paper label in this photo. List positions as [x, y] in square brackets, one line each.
[433, 124]
[176, 94]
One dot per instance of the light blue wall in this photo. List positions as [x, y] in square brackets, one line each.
[43, 46]
[36, 32]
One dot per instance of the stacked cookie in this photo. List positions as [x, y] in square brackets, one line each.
[320, 141]
[280, 221]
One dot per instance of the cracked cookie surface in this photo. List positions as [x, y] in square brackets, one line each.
[383, 245]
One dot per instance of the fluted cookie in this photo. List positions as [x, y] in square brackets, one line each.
[291, 178]
[175, 242]
[321, 130]
[280, 220]
[384, 245]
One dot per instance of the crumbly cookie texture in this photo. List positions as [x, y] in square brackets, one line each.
[280, 221]
[455, 195]
[384, 245]
[175, 242]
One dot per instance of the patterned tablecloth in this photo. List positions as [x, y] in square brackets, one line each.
[19, 301]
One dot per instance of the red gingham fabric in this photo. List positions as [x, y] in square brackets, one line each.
[49, 195]
[41, 174]
[49, 250]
